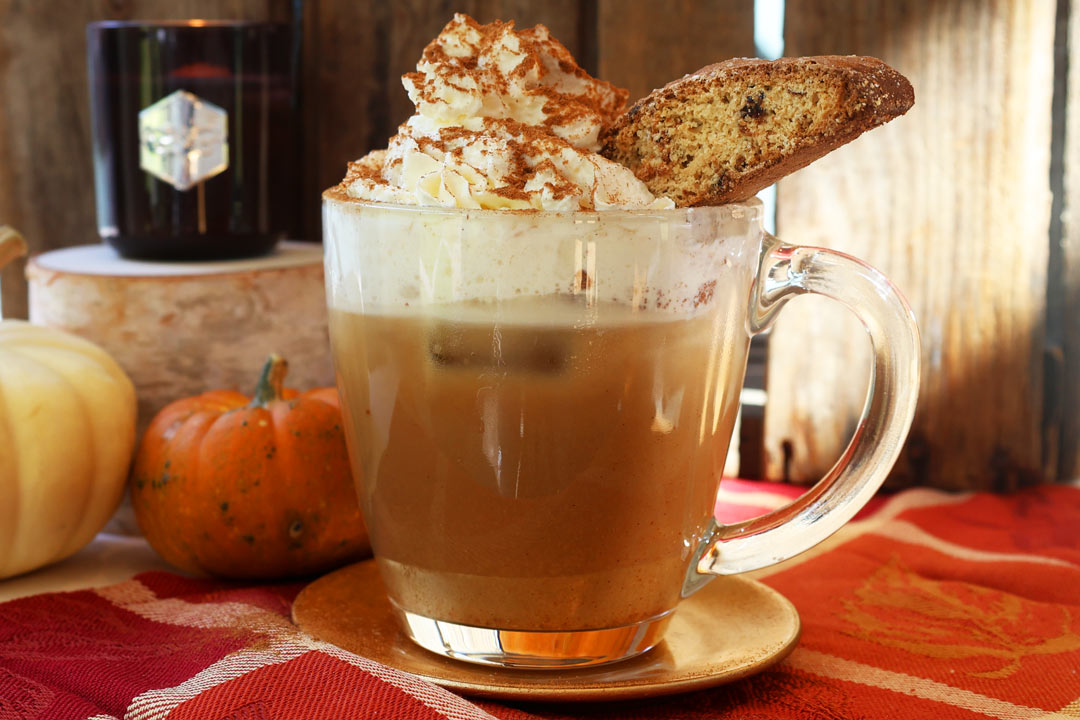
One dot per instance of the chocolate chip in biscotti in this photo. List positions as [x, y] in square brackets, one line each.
[723, 133]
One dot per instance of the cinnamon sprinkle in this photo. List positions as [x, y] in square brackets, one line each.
[463, 70]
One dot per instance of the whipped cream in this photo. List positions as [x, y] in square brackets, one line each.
[505, 119]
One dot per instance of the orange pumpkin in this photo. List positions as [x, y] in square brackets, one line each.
[238, 487]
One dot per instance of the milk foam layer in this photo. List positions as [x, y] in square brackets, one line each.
[505, 119]
[398, 260]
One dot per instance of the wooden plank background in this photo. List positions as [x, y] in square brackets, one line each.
[951, 201]
[644, 45]
[1069, 465]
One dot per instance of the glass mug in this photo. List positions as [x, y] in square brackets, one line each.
[539, 404]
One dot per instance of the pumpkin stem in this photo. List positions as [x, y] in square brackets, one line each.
[271, 382]
[12, 245]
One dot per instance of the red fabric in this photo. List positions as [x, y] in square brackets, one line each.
[929, 606]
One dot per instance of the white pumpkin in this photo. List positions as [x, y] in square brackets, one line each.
[67, 432]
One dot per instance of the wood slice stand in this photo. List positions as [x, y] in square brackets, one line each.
[179, 329]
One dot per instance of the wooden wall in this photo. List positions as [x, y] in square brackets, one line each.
[952, 201]
[1069, 461]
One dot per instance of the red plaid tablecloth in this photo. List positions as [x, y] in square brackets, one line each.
[930, 605]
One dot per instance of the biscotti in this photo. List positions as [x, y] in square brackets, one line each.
[723, 133]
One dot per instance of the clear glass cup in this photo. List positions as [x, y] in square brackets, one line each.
[539, 405]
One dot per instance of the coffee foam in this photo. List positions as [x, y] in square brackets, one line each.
[384, 259]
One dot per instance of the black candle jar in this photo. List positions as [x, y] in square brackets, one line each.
[195, 136]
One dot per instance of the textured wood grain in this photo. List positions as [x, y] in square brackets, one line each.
[952, 202]
[1069, 467]
[641, 44]
[46, 176]
[355, 54]
[178, 335]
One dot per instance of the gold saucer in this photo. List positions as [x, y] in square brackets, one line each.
[728, 630]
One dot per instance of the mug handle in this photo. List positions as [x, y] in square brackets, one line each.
[786, 271]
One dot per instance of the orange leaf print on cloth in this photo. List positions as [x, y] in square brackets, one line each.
[992, 631]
